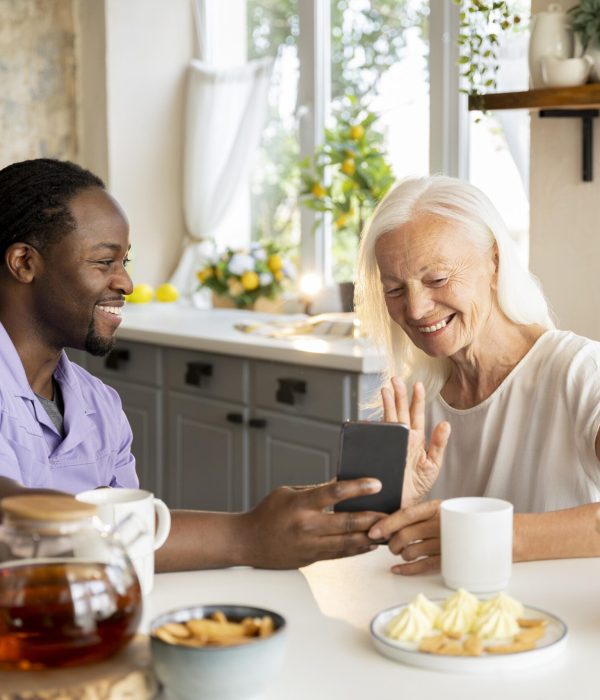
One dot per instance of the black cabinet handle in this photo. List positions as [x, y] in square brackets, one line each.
[195, 371]
[287, 390]
[235, 418]
[114, 357]
[257, 423]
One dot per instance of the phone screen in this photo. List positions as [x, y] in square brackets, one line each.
[377, 450]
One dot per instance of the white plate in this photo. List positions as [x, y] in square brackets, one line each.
[551, 644]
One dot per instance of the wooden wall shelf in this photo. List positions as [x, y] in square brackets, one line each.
[578, 97]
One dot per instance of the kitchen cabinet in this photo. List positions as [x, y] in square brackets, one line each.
[218, 432]
[206, 456]
[288, 450]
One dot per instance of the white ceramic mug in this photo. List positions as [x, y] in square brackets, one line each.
[476, 543]
[153, 519]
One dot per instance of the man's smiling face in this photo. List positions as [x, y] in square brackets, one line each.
[79, 295]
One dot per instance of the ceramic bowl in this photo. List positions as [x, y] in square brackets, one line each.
[565, 72]
[218, 673]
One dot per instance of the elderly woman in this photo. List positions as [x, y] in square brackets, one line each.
[441, 285]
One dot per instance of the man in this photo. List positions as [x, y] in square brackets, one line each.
[64, 243]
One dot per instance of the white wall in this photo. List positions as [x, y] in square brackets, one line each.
[565, 219]
[142, 65]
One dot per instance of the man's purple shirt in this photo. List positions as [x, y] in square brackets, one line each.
[96, 448]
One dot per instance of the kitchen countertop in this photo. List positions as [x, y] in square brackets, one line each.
[213, 330]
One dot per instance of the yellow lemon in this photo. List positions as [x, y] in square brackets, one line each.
[274, 262]
[318, 190]
[349, 166]
[167, 292]
[342, 220]
[278, 275]
[250, 281]
[141, 294]
[357, 132]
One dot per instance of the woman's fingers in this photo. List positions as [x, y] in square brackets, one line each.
[389, 406]
[387, 526]
[417, 407]
[423, 548]
[439, 440]
[401, 398]
[421, 566]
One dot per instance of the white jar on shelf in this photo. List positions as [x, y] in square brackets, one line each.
[550, 35]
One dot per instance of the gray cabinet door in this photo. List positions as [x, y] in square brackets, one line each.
[289, 450]
[143, 408]
[206, 465]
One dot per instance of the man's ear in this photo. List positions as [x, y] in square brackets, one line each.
[23, 262]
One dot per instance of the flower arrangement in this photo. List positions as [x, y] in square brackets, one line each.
[347, 177]
[244, 275]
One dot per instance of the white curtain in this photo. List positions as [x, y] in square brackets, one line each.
[225, 112]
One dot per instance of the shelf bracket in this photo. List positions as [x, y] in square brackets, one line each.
[587, 134]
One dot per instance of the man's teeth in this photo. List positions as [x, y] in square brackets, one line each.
[431, 329]
[116, 310]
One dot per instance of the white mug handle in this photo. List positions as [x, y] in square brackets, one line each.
[163, 523]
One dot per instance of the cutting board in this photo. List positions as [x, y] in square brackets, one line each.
[126, 676]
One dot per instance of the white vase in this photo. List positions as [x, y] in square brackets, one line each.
[550, 35]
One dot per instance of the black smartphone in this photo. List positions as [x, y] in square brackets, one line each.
[378, 450]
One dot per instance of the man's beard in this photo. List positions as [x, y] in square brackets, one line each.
[95, 344]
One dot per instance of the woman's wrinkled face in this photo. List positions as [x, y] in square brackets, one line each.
[438, 285]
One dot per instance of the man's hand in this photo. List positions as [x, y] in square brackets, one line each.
[423, 463]
[414, 534]
[290, 527]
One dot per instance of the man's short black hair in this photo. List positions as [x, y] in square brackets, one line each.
[34, 201]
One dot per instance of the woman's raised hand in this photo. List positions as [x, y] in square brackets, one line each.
[423, 463]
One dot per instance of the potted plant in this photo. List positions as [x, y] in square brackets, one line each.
[482, 25]
[240, 277]
[347, 177]
[585, 23]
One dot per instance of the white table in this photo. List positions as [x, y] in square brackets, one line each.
[328, 607]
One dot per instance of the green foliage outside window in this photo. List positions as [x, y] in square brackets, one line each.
[367, 38]
[346, 179]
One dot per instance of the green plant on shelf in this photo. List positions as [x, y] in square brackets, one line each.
[585, 23]
[482, 25]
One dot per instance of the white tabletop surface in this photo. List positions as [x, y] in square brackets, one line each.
[329, 605]
[213, 331]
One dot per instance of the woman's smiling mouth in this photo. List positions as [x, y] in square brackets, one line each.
[434, 327]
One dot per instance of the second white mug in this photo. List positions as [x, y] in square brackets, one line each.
[476, 543]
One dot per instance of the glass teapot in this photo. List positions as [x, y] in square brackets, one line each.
[68, 591]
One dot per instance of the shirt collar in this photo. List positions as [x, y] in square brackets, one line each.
[13, 372]
[15, 380]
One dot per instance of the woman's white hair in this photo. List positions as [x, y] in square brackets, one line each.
[519, 293]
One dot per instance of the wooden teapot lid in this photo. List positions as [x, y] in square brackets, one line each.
[46, 507]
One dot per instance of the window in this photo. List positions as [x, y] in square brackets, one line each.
[398, 58]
